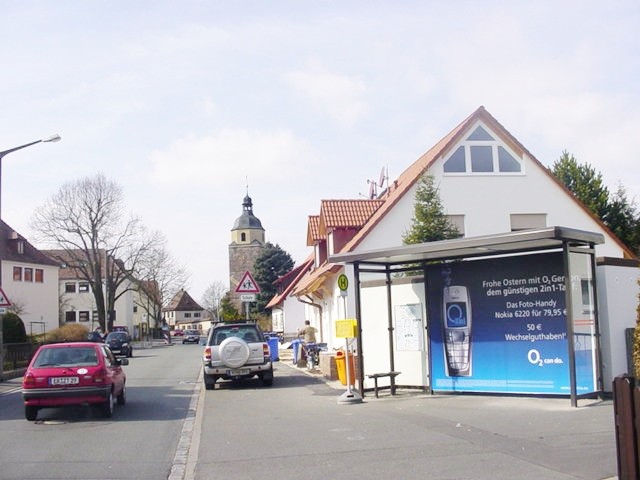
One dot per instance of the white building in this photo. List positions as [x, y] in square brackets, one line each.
[77, 303]
[489, 183]
[287, 311]
[184, 313]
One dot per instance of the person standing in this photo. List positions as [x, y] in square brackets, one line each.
[308, 332]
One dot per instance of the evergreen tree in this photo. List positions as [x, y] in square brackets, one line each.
[429, 222]
[616, 212]
[13, 330]
[270, 265]
[584, 182]
[623, 220]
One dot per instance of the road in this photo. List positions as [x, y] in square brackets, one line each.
[139, 442]
[172, 428]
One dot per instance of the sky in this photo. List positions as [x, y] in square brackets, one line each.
[187, 105]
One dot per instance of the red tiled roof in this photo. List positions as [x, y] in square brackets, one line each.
[346, 213]
[293, 277]
[313, 230]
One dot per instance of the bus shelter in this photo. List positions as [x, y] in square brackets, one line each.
[511, 313]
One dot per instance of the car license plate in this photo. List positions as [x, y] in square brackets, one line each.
[64, 381]
[239, 371]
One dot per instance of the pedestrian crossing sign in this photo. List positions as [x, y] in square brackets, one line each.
[4, 301]
[247, 284]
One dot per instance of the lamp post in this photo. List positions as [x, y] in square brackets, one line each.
[53, 138]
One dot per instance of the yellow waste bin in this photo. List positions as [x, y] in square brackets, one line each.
[341, 367]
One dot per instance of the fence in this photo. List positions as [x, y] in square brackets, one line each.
[626, 407]
[17, 355]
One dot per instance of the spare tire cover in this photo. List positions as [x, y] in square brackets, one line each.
[234, 352]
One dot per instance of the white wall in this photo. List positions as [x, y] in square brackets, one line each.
[293, 317]
[40, 300]
[617, 303]
[375, 336]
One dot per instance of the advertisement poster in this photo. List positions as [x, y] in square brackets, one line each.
[499, 325]
[408, 327]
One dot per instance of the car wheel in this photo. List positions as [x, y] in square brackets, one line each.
[234, 352]
[209, 382]
[267, 378]
[130, 352]
[122, 398]
[108, 406]
[30, 412]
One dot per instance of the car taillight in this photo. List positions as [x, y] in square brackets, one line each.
[29, 380]
[207, 353]
[99, 376]
[265, 350]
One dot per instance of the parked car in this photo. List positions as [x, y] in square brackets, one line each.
[95, 337]
[75, 373]
[236, 351]
[191, 336]
[119, 343]
[177, 332]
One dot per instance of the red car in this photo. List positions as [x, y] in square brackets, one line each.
[77, 373]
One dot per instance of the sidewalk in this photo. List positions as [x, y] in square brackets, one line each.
[10, 385]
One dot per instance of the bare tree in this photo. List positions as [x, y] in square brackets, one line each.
[160, 278]
[85, 221]
[212, 297]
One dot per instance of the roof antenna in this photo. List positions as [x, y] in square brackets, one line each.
[373, 185]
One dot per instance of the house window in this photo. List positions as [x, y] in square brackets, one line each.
[70, 287]
[243, 237]
[28, 274]
[196, 314]
[524, 221]
[135, 309]
[83, 316]
[70, 316]
[83, 287]
[17, 274]
[187, 315]
[94, 315]
[481, 158]
[481, 153]
[39, 275]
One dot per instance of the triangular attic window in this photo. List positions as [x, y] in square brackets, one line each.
[480, 153]
[480, 134]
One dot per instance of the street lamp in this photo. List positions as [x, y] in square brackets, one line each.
[52, 138]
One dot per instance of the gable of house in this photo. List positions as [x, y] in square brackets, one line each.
[481, 170]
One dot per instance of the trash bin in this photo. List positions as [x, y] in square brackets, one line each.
[296, 344]
[274, 343]
[341, 367]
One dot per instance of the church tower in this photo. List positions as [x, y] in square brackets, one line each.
[247, 243]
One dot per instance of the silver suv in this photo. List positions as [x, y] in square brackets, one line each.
[236, 351]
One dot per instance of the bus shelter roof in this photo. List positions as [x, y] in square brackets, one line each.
[488, 245]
